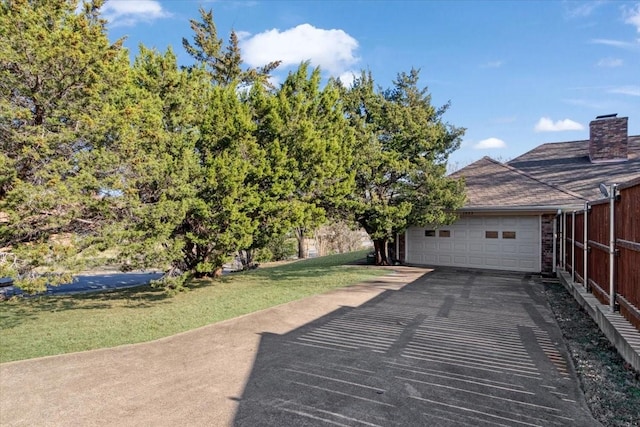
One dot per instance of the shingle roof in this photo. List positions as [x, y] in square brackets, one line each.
[554, 174]
[567, 165]
[491, 184]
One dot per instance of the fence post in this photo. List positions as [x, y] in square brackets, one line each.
[573, 246]
[585, 248]
[612, 247]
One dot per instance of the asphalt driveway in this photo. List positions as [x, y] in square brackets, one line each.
[450, 348]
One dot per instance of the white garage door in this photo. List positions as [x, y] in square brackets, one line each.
[494, 242]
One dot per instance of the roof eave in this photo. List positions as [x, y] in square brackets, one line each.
[522, 209]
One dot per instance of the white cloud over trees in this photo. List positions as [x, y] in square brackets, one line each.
[127, 13]
[333, 50]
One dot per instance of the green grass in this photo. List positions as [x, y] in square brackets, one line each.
[43, 326]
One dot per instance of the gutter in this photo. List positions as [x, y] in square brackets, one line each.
[521, 209]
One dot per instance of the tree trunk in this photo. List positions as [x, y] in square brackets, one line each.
[246, 259]
[250, 263]
[302, 249]
[380, 247]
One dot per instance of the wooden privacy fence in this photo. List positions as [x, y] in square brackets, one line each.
[601, 248]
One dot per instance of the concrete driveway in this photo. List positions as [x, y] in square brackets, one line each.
[450, 348]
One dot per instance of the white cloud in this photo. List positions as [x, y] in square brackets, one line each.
[242, 35]
[493, 64]
[610, 62]
[332, 50]
[545, 124]
[130, 12]
[490, 143]
[347, 78]
[626, 90]
[632, 16]
[614, 43]
[582, 10]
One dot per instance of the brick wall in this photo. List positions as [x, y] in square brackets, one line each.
[608, 139]
[546, 230]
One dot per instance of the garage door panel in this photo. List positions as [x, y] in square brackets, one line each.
[475, 260]
[526, 235]
[492, 221]
[460, 260]
[430, 258]
[527, 265]
[510, 248]
[493, 262]
[445, 246]
[492, 247]
[445, 259]
[430, 245]
[467, 245]
[475, 247]
[471, 222]
[510, 263]
[459, 234]
[460, 246]
[475, 234]
[526, 250]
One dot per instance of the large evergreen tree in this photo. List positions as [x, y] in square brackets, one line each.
[223, 65]
[57, 69]
[319, 142]
[402, 148]
[186, 153]
[178, 168]
[158, 171]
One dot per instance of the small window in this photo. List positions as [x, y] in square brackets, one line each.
[508, 234]
[491, 234]
[444, 233]
[430, 233]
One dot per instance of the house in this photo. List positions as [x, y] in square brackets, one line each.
[511, 215]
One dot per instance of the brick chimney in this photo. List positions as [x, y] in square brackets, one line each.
[608, 139]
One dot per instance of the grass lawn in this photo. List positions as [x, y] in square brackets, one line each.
[43, 326]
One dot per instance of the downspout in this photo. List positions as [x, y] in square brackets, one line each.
[563, 241]
[555, 242]
[540, 245]
[573, 246]
[585, 281]
[612, 247]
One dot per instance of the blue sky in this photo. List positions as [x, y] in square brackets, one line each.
[517, 73]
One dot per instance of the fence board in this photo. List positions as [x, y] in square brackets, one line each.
[627, 231]
[578, 247]
[568, 243]
[598, 256]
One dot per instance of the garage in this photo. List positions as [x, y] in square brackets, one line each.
[492, 242]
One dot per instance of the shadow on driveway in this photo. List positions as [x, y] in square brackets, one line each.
[453, 348]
